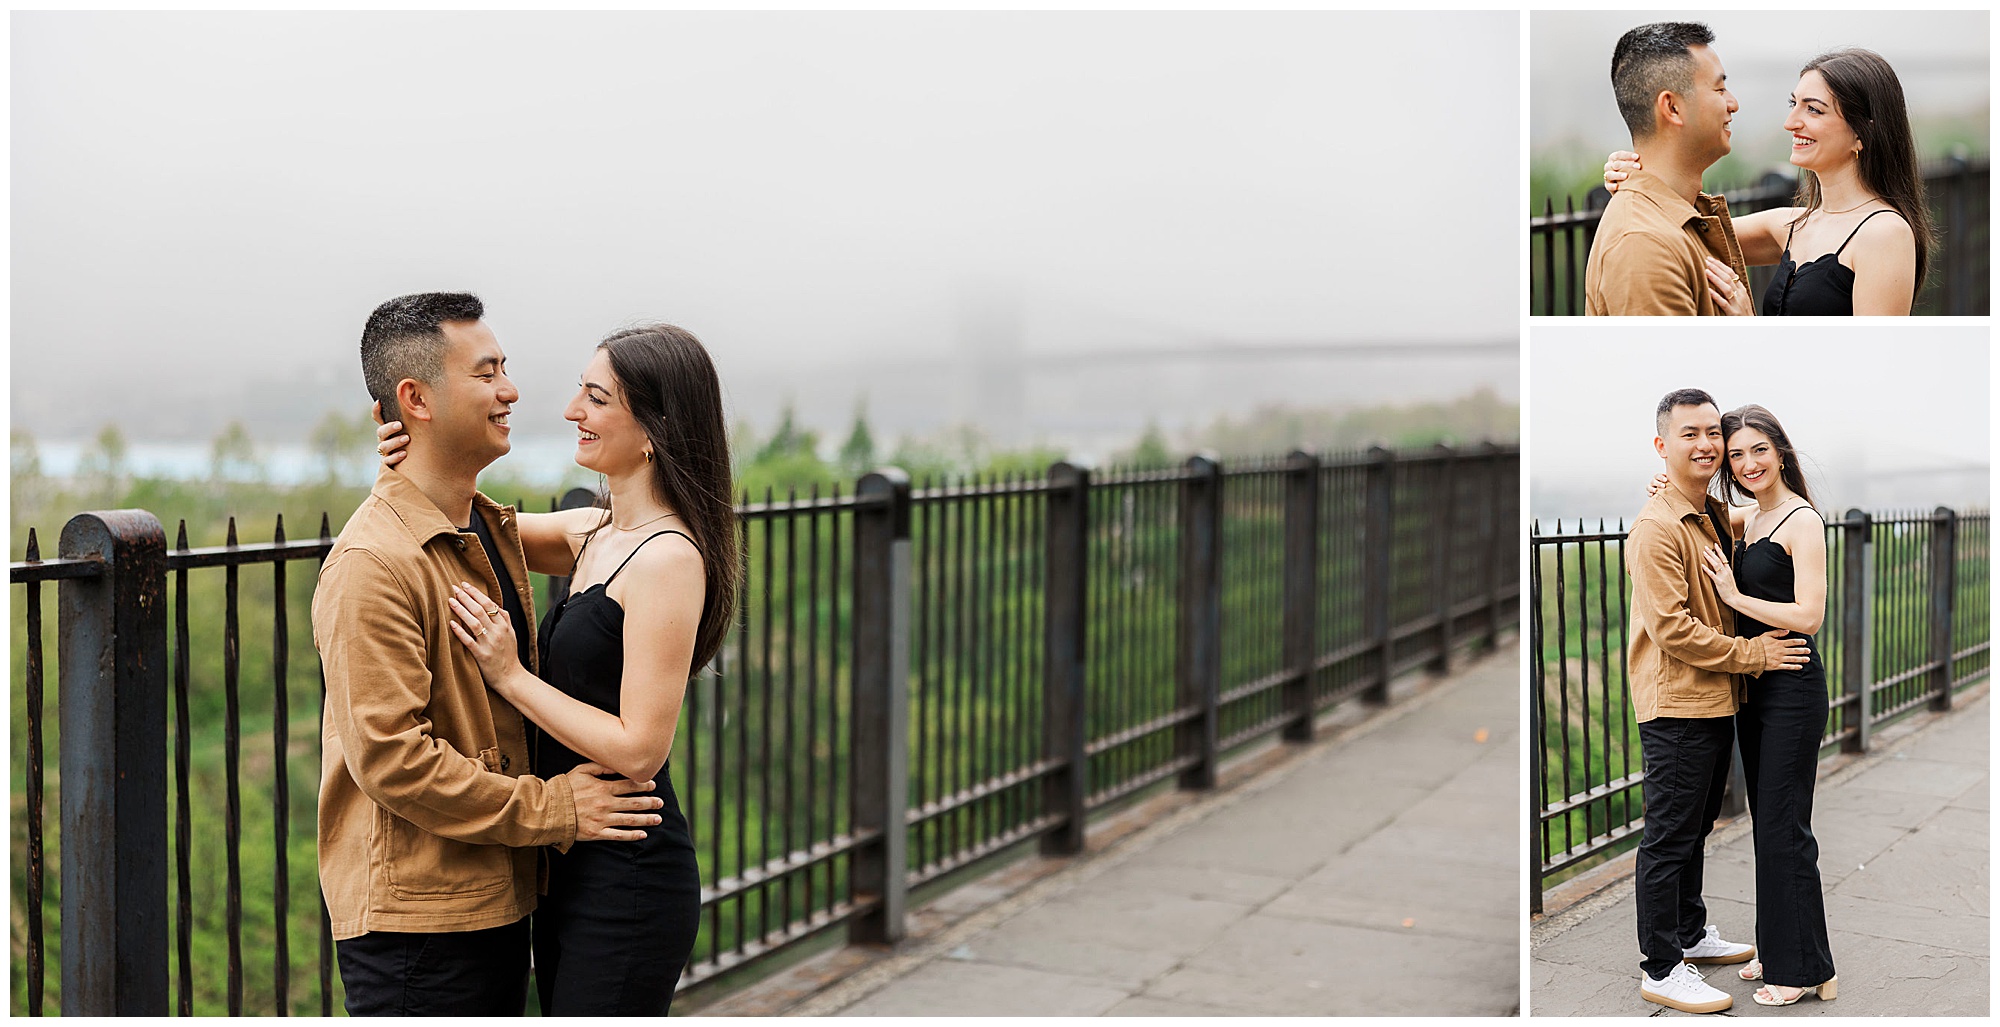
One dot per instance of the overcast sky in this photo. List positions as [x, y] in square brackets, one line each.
[1887, 418]
[1942, 59]
[206, 207]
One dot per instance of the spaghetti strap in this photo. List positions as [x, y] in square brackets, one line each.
[1789, 229]
[577, 560]
[1787, 517]
[642, 545]
[1857, 231]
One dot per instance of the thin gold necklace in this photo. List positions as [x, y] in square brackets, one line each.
[1852, 209]
[642, 524]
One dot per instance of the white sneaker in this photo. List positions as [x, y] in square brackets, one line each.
[1712, 949]
[1683, 989]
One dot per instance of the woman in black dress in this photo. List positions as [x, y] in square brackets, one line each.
[654, 581]
[1778, 581]
[1851, 139]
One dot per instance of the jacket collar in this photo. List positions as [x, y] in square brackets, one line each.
[419, 516]
[1653, 189]
[1679, 508]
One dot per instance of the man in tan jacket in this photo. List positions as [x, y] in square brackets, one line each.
[1683, 660]
[430, 822]
[1663, 246]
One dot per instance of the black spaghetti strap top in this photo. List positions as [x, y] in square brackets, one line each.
[583, 654]
[1764, 571]
[1821, 286]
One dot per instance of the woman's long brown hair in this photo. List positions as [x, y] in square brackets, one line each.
[1870, 100]
[1789, 469]
[671, 387]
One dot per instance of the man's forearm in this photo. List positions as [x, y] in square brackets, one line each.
[427, 782]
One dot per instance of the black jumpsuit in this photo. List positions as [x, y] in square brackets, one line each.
[1822, 285]
[1779, 730]
[619, 921]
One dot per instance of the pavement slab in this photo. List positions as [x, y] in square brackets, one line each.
[1374, 872]
[1905, 842]
[986, 989]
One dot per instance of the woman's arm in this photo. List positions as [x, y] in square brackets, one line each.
[1884, 258]
[1738, 517]
[661, 592]
[1761, 233]
[1805, 539]
[550, 540]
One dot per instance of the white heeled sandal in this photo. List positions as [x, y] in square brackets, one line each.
[1824, 992]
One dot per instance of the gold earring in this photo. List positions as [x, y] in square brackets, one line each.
[649, 456]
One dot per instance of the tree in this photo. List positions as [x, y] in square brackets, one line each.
[857, 454]
[233, 456]
[1151, 450]
[789, 440]
[25, 457]
[106, 460]
[343, 445]
[788, 460]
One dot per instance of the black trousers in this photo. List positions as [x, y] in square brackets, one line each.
[1779, 731]
[619, 921]
[1687, 765]
[457, 973]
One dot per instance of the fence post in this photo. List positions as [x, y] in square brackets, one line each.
[1944, 593]
[1492, 542]
[1855, 602]
[1301, 591]
[1537, 740]
[1445, 505]
[112, 644]
[575, 499]
[1201, 617]
[1958, 269]
[1065, 791]
[881, 700]
[1377, 538]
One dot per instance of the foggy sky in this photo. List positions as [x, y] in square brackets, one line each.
[206, 207]
[1886, 418]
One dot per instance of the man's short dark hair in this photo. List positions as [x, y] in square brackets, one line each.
[404, 338]
[1679, 398]
[1650, 60]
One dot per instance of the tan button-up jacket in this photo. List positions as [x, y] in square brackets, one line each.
[1648, 256]
[428, 818]
[1682, 652]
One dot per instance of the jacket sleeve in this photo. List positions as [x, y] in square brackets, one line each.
[378, 687]
[1660, 607]
[1643, 274]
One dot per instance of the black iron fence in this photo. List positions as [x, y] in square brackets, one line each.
[1956, 188]
[923, 678]
[1907, 626]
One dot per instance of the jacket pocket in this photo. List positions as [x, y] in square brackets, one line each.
[422, 865]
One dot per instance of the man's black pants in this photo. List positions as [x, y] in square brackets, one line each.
[1687, 765]
[457, 973]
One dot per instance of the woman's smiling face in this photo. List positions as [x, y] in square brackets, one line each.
[1821, 138]
[609, 439]
[1753, 461]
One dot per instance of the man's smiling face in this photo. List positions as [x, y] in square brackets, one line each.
[1690, 441]
[1709, 105]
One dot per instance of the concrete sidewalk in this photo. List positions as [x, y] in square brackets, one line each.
[1377, 873]
[1904, 860]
